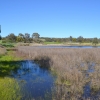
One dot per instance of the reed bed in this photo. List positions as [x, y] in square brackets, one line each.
[72, 68]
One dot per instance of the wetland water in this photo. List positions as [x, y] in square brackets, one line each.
[67, 46]
[35, 83]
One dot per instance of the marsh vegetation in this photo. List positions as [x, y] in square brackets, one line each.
[23, 79]
[77, 69]
[50, 74]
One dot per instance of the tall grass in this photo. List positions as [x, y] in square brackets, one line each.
[9, 89]
[71, 66]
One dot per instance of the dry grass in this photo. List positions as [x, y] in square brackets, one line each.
[71, 66]
[2, 50]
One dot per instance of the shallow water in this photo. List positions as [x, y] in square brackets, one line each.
[34, 82]
[67, 46]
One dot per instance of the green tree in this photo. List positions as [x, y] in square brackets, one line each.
[95, 41]
[80, 39]
[35, 35]
[71, 38]
[27, 37]
[74, 39]
[11, 37]
[20, 37]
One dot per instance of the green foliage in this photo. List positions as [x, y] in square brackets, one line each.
[80, 39]
[8, 63]
[11, 37]
[95, 41]
[20, 39]
[8, 45]
[0, 41]
[71, 38]
[35, 35]
[52, 42]
[37, 40]
[9, 89]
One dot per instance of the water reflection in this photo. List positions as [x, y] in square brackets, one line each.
[32, 81]
[35, 82]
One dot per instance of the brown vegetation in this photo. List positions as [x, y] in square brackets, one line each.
[2, 50]
[71, 66]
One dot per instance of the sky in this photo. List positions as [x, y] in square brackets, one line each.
[51, 18]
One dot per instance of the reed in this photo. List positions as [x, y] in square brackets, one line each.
[71, 66]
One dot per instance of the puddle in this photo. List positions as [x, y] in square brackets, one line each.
[87, 91]
[34, 82]
[91, 68]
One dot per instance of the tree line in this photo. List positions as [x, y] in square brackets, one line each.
[26, 38]
[35, 37]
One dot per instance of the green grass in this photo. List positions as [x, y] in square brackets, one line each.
[7, 63]
[0, 41]
[9, 57]
[8, 45]
[52, 42]
[9, 89]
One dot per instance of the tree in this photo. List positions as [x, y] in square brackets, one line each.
[27, 37]
[71, 38]
[95, 41]
[20, 37]
[80, 39]
[35, 35]
[74, 39]
[11, 37]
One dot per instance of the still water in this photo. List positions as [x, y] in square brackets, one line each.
[35, 83]
[67, 46]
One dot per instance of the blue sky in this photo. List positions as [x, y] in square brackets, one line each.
[51, 18]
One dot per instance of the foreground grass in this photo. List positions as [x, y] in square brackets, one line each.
[8, 45]
[71, 66]
[9, 89]
[8, 62]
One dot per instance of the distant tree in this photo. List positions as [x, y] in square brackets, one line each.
[11, 37]
[95, 41]
[35, 35]
[71, 38]
[74, 39]
[99, 40]
[80, 39]
[20, 37]
[27, 37]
